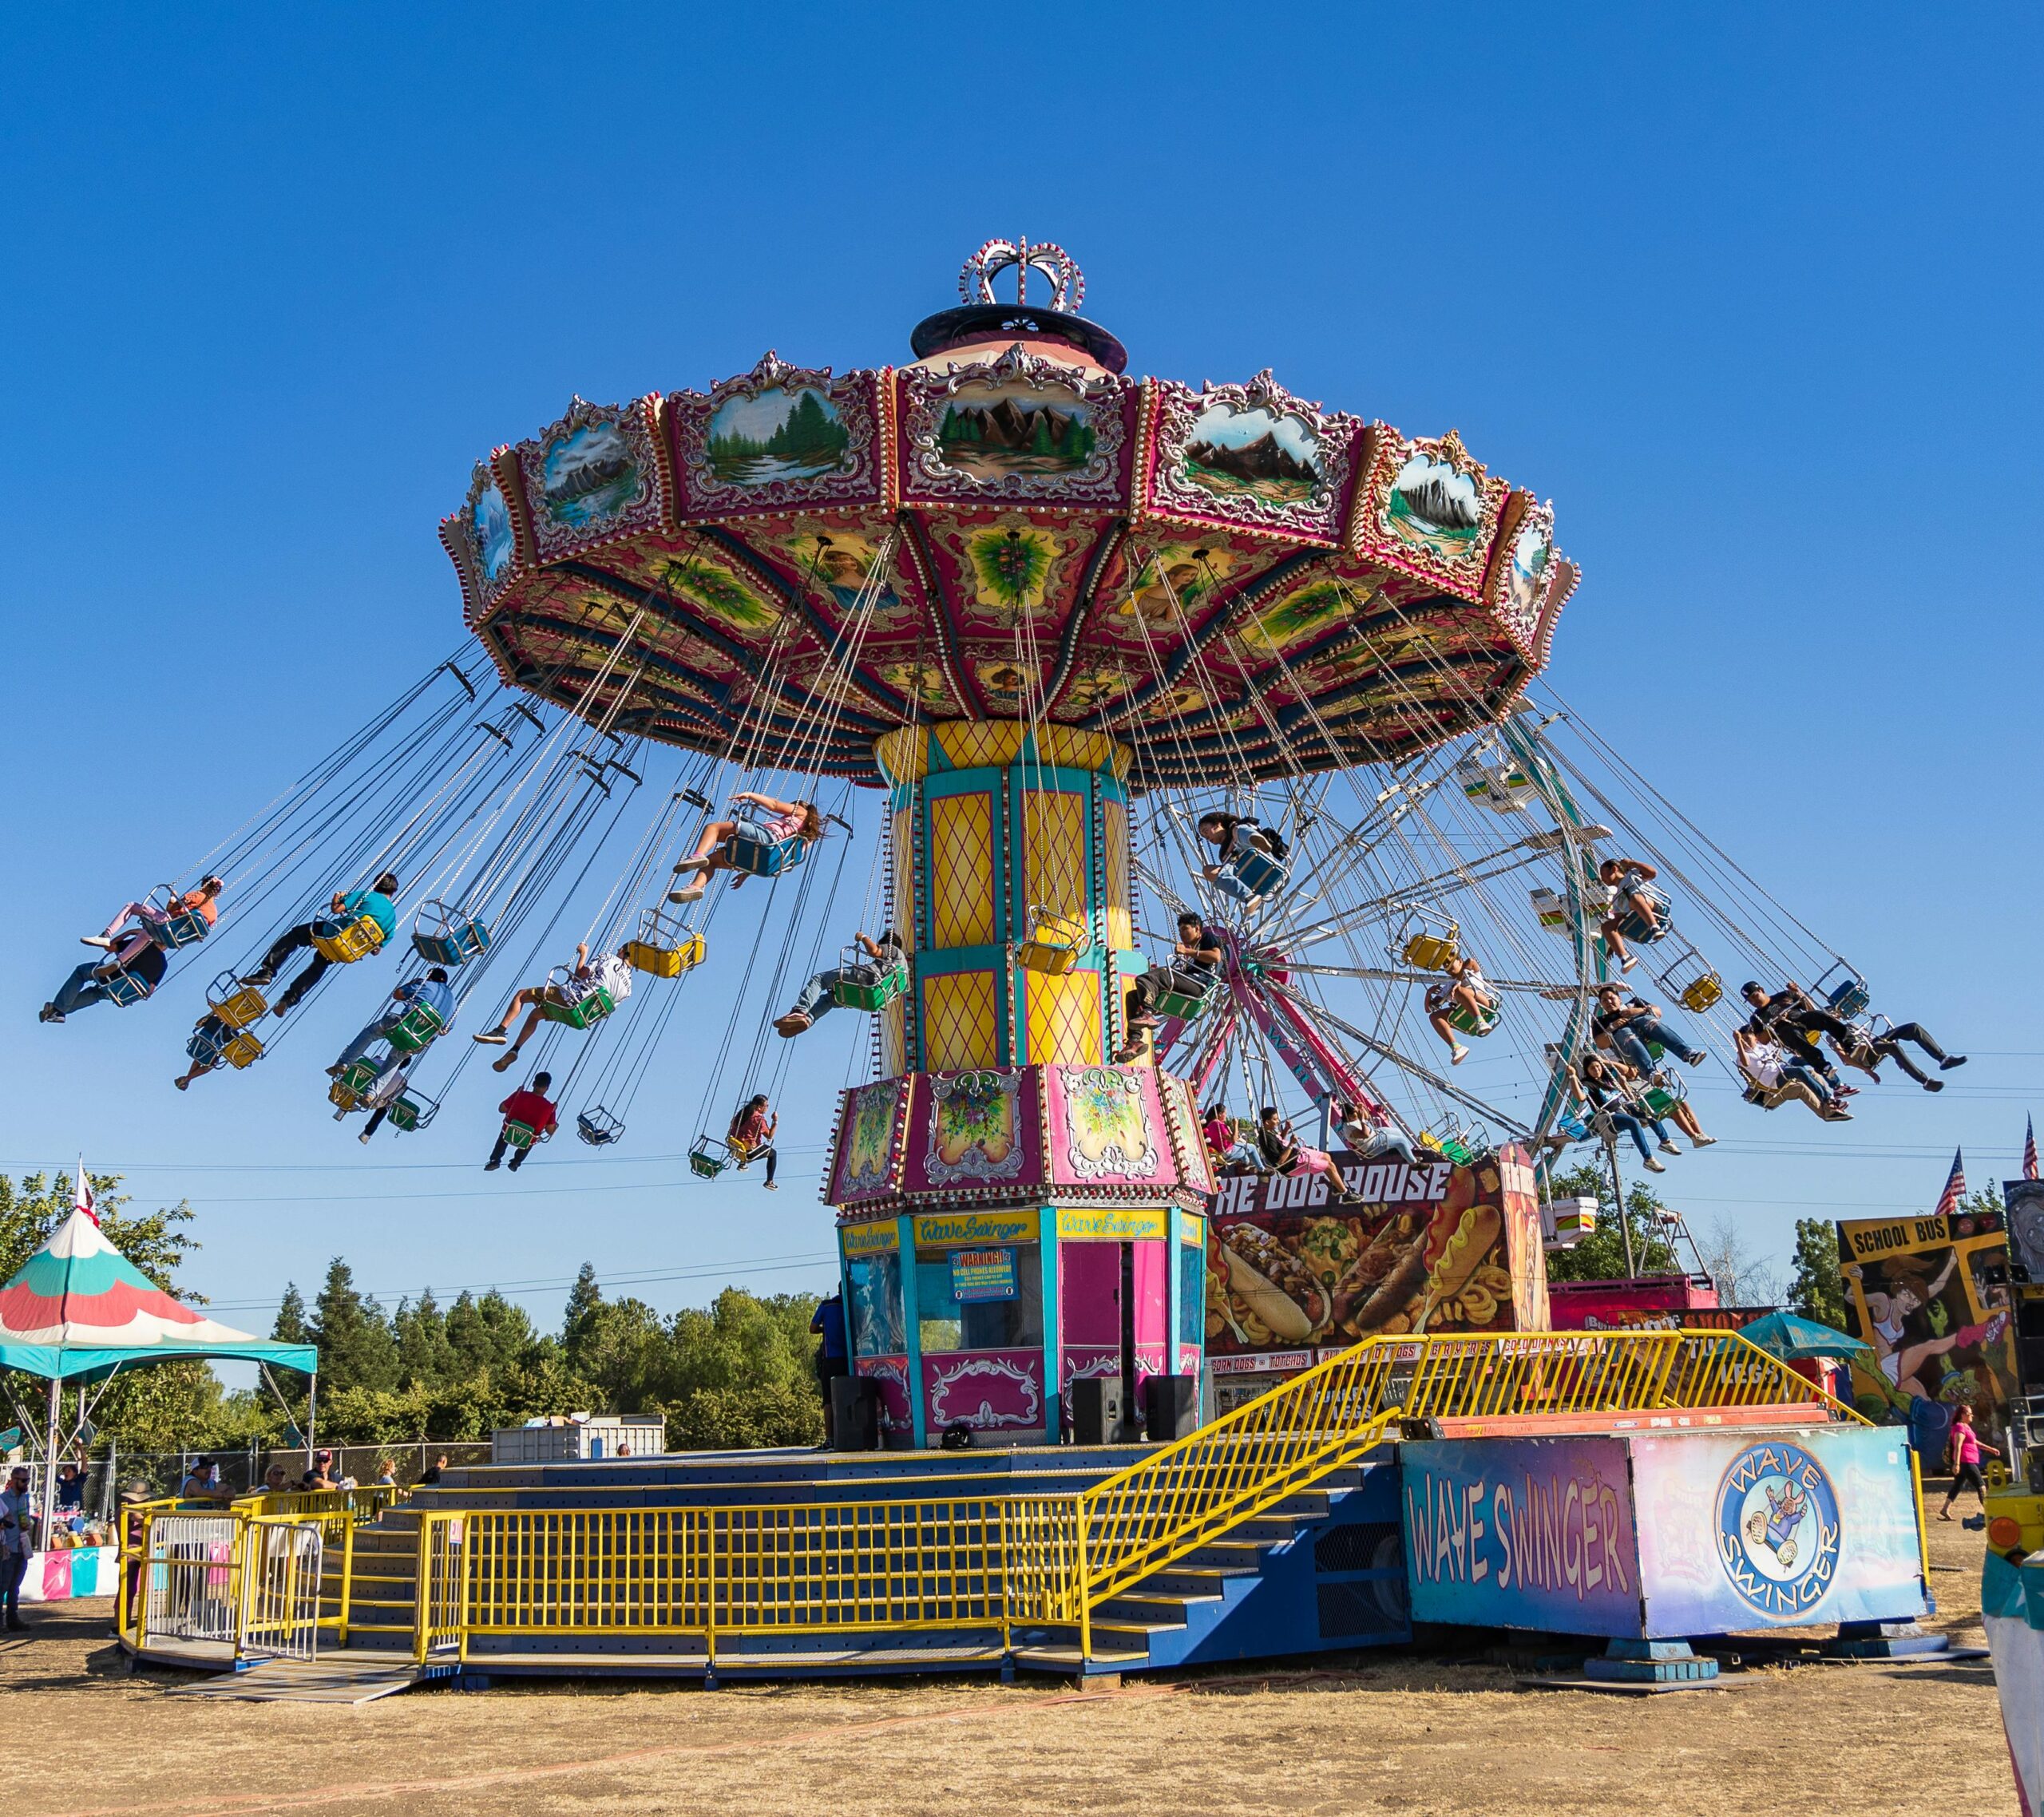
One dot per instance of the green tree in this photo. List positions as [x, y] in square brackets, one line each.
[424, 1356]
[357, 1349]
[742, 1373]
[578, 1322]
[1601, 1255]
[488, 1333]
[1816, 1290]
[291, 1325]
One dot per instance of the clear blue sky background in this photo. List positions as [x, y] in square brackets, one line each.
[1752, 294]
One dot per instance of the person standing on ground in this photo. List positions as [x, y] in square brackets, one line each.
[1966, 1445]
[17, 1512]
[833, 1358]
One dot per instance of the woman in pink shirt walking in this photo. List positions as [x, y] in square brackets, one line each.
[1966, 1446]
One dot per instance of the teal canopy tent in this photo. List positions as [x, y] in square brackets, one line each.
[1796, 1340]
[79, 1310]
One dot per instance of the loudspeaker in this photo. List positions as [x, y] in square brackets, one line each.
[1096, 1410]
[854, 1414]
[1171, 1408]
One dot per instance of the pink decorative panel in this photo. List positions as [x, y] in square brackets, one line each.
[989, 1389]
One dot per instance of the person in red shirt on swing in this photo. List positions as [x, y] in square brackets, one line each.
[529, 1105]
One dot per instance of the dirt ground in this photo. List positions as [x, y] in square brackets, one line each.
[1347, 1734]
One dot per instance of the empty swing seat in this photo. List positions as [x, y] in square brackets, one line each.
[704, 1165]
[1055, 940]
[444, 936]
[344, 942]
[1431, 953]
[237, 1047]
[598, 1127]
[1844, 992]
[765, 858]
[664, 947]
[414, 1031]
[235, 1003]
[409, 1113]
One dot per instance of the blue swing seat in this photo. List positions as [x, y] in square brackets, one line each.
[1258, 872]
[125, 988]
[765, 858]
[598, 1127]
[444, 936]
[171, 930]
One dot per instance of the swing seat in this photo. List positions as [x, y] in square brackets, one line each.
[518, 1135]
[1450, 1147]
[765, 858]
[123, 987]
[1187, 998]
[592, 1006]
[848, 994]
[347, 941]
[659, 960]
[1657, 1101]
[451, 940]
[1701, 993]
[1550, 910]
[1574, 1128]
[171, 929]
[1431, 953]
[409, 1113]
[704, 1165]
[1055, 940]
[1633, 927]
[1844, 992]
[238, 1049]
[351, 1088]
[598, 1127]
[235, 1003]
[414, 1031]
[1258, 872]
[1477, 1022]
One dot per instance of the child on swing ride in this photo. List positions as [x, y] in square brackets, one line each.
[613, 973]
[751, 1136]
[1623, 877]
[1466, 989]
[774, 821]
[1236, 836]
[815, 1000]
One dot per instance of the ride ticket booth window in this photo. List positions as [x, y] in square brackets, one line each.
[980, 1299]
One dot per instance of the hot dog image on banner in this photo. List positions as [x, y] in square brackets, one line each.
[1433, 1247]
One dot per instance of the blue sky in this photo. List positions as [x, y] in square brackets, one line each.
[1740, 290]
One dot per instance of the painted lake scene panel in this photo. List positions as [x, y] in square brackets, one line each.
[786, 434]
[1268, 456]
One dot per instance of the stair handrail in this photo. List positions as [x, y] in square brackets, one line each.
[1164, 1506]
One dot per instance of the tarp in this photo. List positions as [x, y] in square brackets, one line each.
[1797, 1339]
[78, 1308]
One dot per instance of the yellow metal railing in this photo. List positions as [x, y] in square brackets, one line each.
[1041, 1561]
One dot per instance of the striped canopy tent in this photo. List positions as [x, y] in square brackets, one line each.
[78, 1310]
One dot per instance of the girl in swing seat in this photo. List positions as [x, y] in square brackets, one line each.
[751, 1136]
[773, 821]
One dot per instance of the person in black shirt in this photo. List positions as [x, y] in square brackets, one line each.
[1195, 963]
[1782, 1018]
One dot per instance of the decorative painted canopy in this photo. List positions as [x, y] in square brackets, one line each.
[77, 1306]
[1234, 580]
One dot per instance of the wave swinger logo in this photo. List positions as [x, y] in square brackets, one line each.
[1778, 1529]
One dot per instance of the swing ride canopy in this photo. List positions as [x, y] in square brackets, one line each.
[1234, 581]
[78, 1310]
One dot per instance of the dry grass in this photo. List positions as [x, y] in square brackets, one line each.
[1356, 1735]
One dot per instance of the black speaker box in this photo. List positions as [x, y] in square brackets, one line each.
[855, 1413]
[1097, 1410]
[1171, 1408]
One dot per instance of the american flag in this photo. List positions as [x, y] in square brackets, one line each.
[82, 1197]
[2029, 1171]
[1955, 1188]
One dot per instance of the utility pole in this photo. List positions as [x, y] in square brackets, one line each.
[1618, 1195]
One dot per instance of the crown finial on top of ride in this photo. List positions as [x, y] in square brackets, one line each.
[1023, 256]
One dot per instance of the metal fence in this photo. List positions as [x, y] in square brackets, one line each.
[189, 1581]
[280, 1563]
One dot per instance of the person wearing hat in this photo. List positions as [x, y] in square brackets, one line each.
[321, 1474]
[17, 1519]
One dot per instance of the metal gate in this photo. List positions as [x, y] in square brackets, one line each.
[188, 1581]
[280, 1561]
